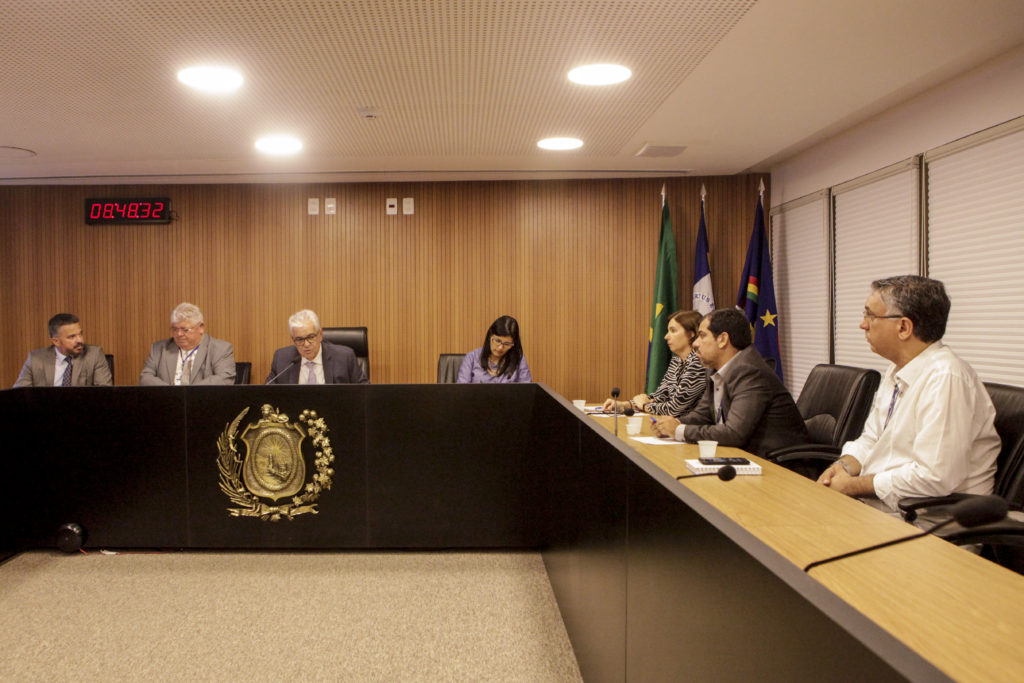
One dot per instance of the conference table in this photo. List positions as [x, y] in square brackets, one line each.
[961, 613]
[655, 579]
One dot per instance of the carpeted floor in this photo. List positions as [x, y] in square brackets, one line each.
[281, 616]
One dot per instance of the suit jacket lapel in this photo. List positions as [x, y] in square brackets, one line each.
[199, 357]
[294, 372]
[49, 360]
[76, 368]
[328, 359]
[169, 360]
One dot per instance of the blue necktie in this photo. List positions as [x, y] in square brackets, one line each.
[892, 405]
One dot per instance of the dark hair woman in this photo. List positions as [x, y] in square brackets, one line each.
[500, 359]
[684, 381]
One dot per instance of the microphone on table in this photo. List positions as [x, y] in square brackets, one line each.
[272, 379]
[615, 408]
[725, 473]
[967, 513]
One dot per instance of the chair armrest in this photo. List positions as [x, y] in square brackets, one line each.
[910, 506]
[1006, 532]
[813, 449]
[813, 452]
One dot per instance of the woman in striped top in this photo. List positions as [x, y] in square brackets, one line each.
[684, 381]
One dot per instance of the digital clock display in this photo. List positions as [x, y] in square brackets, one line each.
[133, 210]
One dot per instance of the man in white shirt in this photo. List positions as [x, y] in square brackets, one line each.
[930, 431]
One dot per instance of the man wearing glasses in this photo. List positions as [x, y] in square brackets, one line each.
[312, 360]
[190, 356]
[930, 431]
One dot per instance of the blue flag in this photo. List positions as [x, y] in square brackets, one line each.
[757, 293]
[703, 295]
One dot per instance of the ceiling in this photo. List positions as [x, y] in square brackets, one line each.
[463, 88]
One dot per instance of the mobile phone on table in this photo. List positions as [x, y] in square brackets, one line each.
[724, 461]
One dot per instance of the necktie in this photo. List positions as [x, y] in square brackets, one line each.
[311, 379]
[186, 372]
[66, 379]
[892, 405]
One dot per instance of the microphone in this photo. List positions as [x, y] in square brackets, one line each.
[615, 408]
[272, 379]
[968, 513]
[725, 473]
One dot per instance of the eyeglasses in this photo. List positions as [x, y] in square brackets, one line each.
[308, 339]
[181, 330]
[868, 315]
[503, 344]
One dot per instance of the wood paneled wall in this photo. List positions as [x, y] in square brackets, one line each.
[572, 260]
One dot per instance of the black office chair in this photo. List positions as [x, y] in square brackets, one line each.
[448, 367]
[243, 371]
[1003, 541]
[356, 339]
[110, 362]
[834, 402]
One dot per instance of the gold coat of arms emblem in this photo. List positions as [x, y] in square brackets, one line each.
[274, 468]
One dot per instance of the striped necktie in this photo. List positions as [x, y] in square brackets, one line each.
[311, 379]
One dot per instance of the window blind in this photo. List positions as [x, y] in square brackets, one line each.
[975, 240]
[800, 259]
[877, 234]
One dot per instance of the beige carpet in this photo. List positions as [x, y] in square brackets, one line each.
[286, 616]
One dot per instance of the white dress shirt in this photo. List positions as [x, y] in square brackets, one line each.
[940, 437]
[58, 368]
[179, 368]
[318, 368]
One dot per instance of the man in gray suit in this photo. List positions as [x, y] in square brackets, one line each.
[745, 405]
[190, 356]
[68, 362]
[312, 360]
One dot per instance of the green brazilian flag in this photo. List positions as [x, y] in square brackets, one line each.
[666, 297]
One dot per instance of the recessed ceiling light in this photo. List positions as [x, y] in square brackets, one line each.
[279, 145]
[215, 79]
[560, 143]
[599, 74]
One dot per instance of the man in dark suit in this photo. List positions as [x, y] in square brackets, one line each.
[745, 405]
[312, 360]
[190, 356]
[68, 362]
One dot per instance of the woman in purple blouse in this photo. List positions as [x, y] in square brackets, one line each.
[500, 359]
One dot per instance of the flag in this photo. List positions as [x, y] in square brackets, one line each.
[757, 293]
[703, 296]
[666, 296]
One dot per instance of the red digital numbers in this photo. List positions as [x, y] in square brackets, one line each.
[126, 211]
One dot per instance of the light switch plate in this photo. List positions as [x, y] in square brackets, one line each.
[407, 206]
[330, 206]
[313, 206]
[392, 206]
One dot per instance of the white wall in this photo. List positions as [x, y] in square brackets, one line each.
[983, 97]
